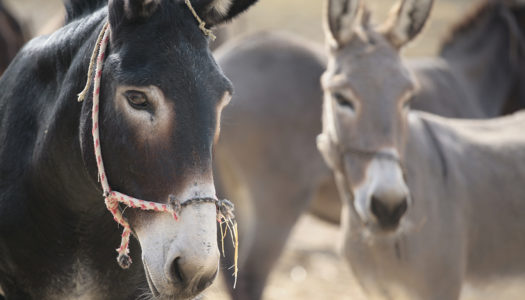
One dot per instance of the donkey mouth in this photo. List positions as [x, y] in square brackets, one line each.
[152, 287]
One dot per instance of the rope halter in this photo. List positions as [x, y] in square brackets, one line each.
[112, 198]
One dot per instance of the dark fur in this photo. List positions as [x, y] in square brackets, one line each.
[472, 19]
[75, 9]
[500, 24]
[52, 214]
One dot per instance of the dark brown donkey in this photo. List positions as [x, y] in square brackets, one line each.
[430, 204]
[161, 95]
[267, 160]
[11, 37]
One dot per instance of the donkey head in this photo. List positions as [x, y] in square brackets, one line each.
[367, 92]
[161, 98]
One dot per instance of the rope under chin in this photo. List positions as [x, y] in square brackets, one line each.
[112, 198]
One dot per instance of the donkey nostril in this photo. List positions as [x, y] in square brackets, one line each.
[378, 208]
[388, 214]
[205, 282]
[175, 272]
[400, 210]
[193, 276]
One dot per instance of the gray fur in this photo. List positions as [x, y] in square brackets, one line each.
[463, 222]
[262, 118]
[465, 226]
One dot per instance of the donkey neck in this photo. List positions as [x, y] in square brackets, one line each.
[486, 56]
[58, 164]
[52, 176]
[425, 153]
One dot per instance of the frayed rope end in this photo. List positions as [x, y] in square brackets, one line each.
[124, 261]
[82, 95]
[225, 210]
[225, 214]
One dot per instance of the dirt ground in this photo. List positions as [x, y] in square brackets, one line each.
[310, 268]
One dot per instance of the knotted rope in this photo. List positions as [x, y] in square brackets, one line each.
[112, 198]
[202, 24]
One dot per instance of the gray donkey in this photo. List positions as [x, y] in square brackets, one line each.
[429, 203]
[266, 160]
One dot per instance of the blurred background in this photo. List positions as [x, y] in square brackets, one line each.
[310, 267]
[299, 16]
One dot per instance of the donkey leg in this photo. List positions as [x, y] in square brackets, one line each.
[276, 214]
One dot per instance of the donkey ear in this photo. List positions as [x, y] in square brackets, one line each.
[131, 10]
[340, 18]
[215, 12]
[406, 20]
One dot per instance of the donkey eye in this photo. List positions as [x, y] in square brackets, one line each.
[343, 101]
[136, 99]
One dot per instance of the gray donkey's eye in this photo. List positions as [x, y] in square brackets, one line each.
[343, 101]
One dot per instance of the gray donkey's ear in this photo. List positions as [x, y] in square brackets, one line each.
[406, 20]
[340, 18]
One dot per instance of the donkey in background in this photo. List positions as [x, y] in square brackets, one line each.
[11, 37]
[266, 160]
[429, 203]
[467, 80]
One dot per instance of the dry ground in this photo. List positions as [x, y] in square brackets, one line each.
[310, 268]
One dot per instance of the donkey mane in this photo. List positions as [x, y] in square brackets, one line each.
[471, 21]
[499, 26]
[472, 18]
[79, 8]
